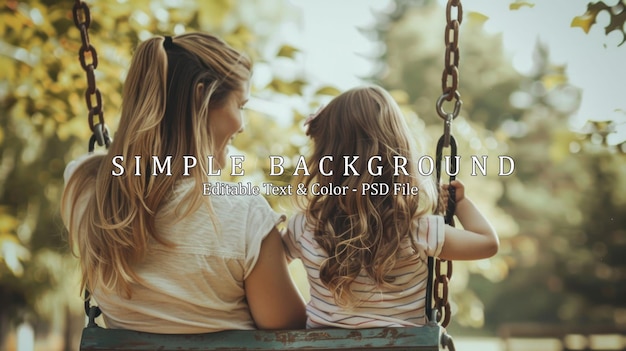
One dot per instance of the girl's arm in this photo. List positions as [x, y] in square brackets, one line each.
[274, 300]
[477, 240]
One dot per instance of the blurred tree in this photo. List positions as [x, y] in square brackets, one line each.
[611, 130]
[565, 263]
[595, 267]
[558, 251]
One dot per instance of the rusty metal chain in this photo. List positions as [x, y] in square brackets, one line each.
[447, 204]
[450, 77]
[88, 58]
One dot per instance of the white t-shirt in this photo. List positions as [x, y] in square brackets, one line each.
[397, 306]
[198, 285]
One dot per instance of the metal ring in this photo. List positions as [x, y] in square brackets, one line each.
[92, 144]
[457, 105]
[101, 133]
[101, 136]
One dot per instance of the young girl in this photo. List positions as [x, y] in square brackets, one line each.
[156, 254]
[365, 253]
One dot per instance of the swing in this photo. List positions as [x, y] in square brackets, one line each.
[431, 336]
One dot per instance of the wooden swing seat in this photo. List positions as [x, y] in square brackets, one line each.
[428, 337]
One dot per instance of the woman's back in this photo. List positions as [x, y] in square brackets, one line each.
[158, 255]
[196, 284]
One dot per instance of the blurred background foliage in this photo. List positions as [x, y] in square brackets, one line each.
[560, 215]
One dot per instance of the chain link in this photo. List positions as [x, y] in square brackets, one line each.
[446, 206]
[88, 58]
[450, 77]
[449, 90]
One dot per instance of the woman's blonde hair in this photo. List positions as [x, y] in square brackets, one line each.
[362, 233]
[170, 87]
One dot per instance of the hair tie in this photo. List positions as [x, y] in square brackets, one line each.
[168, 43]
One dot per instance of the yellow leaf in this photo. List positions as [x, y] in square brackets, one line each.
[519, 4]
[240, 38]
[8, 238]
[551, 81]
[77, 127]
[328, 90]
[8, 223]
[401, 96]
[244, 33]
[287, 88]
[560, 146]
[211, 14]
[477, 17]
[585, 21]
[287, 51]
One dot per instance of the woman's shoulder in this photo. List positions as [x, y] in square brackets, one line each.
[241, 204]
[73, 165]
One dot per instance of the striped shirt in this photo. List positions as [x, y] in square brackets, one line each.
[402, 304]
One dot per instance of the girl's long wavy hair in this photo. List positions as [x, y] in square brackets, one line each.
[362, 233]
[111, 219]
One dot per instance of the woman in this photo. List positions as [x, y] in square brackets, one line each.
[156, 254]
